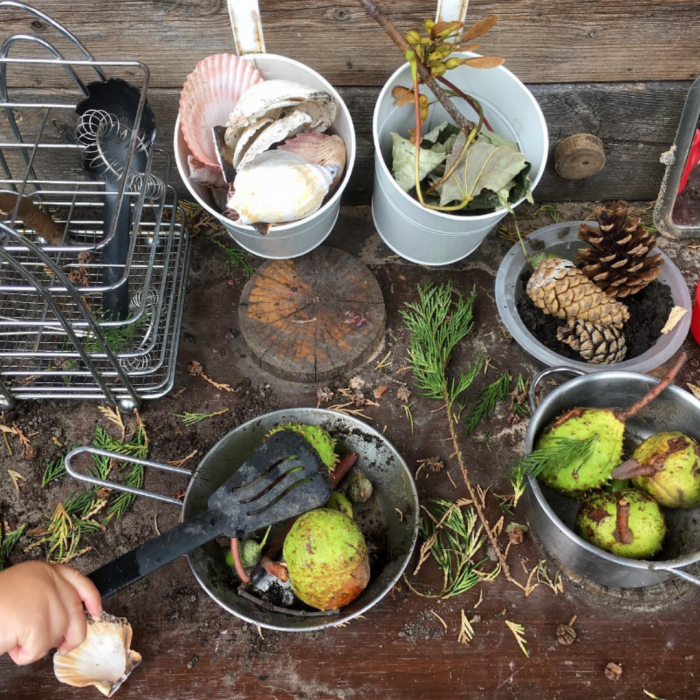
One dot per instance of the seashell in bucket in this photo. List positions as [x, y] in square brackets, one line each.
[104, 659]
[273, 99]
[210, 93]
[279, 186]
[319, 149]
[277, 131]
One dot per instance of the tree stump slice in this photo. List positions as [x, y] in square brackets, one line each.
[312, 318]
[579, 156]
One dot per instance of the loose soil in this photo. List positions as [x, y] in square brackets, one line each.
[649, 310]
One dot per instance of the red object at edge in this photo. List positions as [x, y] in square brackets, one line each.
[695, 323]
[693, 159]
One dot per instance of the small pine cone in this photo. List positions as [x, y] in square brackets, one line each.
[599, 345]
[618, 259]
[559, 288]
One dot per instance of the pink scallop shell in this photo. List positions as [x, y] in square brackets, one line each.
[319, 149]
[208, 97]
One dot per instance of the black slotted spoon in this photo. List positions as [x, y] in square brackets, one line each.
[285, 477]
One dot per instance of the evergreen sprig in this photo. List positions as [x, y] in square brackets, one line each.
[486, 402]
[8, 542]
[54, 470]
[235, 257]
[440, 320]
[559, 454]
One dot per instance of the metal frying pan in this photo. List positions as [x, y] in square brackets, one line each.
[378, 460]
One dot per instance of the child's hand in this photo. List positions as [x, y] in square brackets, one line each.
[41, 608]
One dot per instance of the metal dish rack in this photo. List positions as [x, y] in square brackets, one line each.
[54, 340]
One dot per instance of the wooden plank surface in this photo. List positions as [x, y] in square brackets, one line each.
[636, 121]
[194, 650]
[543, 40]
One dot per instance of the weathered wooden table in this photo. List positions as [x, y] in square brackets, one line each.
[614, 69]
[192, 649]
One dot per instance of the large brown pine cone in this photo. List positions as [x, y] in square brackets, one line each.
[618, 259]
[559, 288]
[597, 344]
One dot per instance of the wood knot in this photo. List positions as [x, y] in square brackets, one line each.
[341, 15]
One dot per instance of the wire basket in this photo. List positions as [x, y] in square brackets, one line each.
[56, 341]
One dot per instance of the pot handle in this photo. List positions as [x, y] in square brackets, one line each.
[539, 378]
[680, 573]
[122, 458]
[246, 25]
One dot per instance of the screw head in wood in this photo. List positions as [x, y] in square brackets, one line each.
[579, 156]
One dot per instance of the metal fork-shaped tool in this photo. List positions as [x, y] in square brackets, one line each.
[283, 478]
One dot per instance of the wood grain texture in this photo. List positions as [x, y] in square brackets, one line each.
[542, 40]
[312, 318]
[636, 121]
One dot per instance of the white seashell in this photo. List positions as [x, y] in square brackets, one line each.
[203, 174]
[104, 659]
[279, 186]
[269, 95]
[245, 138]
[279, 130]
[212, 90]
[319, 149]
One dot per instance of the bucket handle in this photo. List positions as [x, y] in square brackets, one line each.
[451, 11]
[534, 385]
[678, 572]
[121, 487]
[246, 26]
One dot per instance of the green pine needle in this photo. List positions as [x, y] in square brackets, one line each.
[188, 418]
[54, 470]
[235, 257]
[486, 402]
[8, 542]
[561, 453]
[438, 322]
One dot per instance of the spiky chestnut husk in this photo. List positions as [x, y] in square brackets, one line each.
[639, 536]
[327, 560]
[675, 461]
[360, 488]
[594, 472]
[317, 437]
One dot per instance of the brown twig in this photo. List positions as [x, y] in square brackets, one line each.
[275, 569]
[428, 80]
[623, 534]
[658, 389]
[632, 468]
[469, 100]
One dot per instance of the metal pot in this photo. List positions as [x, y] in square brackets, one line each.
[378, 460]
[551, 515]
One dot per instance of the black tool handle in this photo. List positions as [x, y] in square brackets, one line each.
[143, 560]
[115, 302]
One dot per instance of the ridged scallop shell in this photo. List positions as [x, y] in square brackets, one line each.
[211, 92]
[278, 187]
[319, 149]
[104, 659]
[276, 99]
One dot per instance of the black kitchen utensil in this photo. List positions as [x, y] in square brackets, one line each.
[109, 114]
[283, 478]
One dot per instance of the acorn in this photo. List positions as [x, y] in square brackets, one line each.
[360, 488]
[667, 467]
[608, 427]
[627, 523]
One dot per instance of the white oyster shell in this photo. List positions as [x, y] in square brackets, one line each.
[104, 659]
[279, 186]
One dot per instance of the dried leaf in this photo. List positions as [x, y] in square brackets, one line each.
[480, 28]
[195, 368]
[402, 96]
[324, 395]
[677, 313]
[379, 391]
[403, 154]
[403, 393]
[467, 47]
[695, 390]
[484, 62]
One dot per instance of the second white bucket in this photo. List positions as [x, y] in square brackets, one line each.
[434, 238]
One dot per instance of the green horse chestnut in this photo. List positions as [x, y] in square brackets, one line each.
[326, 556]
[318, 438]
[667, 467]
[627, 523]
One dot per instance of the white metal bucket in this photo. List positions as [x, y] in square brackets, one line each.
[435, 238]
[299, 237]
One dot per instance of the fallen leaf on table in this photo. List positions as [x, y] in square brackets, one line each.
[379, 391]
[677, 313]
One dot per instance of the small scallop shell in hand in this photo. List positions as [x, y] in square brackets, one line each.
[104, 659]
[277, 187]
[319, 149]
[211, 92]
